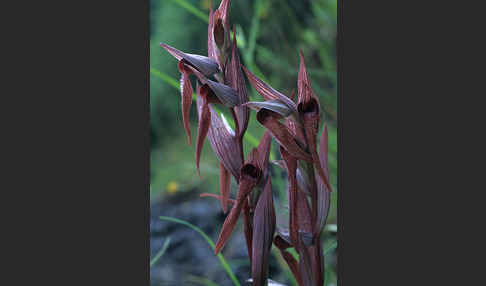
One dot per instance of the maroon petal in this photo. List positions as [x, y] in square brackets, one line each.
[268, 92]
[203, 64]
[264, 229]
[264, 152]
[250, 174]
[203, 125]
[224, 186]
[281, 133]
[186, 97]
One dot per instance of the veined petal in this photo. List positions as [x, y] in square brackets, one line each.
[203, 126]
[264, 229]
[323, 194]
[205, 65]
[223, 143]
[264, 152]
[268, 92]
[225, 94]
[280, 132]
[186, 99]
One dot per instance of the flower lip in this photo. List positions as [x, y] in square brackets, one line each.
[251, 171]
[312, 106]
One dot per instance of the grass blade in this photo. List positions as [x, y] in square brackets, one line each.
[201, 280]
[209, 241]
[191, 9]
[330, 247]
[161, 252]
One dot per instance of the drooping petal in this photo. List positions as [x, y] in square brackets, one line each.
[273, 105]
[205, 65]
[280, 132]
[264, 228]
[250, 175]
[186, 98]
[224, 186]
[268, 92]
[219, 197]
[248, 227]
[203, 126]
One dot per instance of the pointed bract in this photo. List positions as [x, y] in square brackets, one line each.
[235, 78]
[250, 175]
[225, 94]
[274, 105]
[268, 92]
[264, 229]
[205, 65]
[280, 132]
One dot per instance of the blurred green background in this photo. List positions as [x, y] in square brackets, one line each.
[270, 34]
